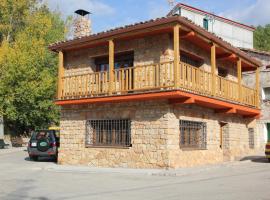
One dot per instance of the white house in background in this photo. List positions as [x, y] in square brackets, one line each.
[239, 35]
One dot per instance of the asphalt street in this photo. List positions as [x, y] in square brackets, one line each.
[23, 179]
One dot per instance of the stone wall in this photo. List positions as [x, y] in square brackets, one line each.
[82, 26]
[250, 80]
[154, 136]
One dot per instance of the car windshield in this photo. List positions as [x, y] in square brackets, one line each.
[37, 135]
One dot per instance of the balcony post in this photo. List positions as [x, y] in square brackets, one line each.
[176, 47]
[258, 87]
[213, 68]
[61, 71]
[239, 75]
[111, 65]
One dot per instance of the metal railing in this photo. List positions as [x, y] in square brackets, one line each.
[108, 133]
[192, 135]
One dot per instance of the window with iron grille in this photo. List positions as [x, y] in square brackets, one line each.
[192, 135]
[108, 133]
[251, 138]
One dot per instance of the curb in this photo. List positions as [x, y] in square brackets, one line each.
[149, 172]
[11, 150]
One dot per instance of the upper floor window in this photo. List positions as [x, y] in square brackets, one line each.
[222, 72]
[266, 93]
[191, 59]
[205, 23]
[121, 60]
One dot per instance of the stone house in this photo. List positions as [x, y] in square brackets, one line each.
[248, 78]
[163, 93]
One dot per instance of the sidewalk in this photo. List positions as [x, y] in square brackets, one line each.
[11, 150]
[151, 172]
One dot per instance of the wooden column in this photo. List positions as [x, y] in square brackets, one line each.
[61, 71]
[258, 87]
[213, 67]
[111, 65]
[176, 47]
[239, 75]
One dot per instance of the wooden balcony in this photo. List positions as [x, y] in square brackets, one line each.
[156, 77]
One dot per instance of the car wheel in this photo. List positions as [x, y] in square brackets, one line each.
[34, 158]
[268, 159]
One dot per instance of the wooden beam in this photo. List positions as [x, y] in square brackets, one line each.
[239, 75]
[111, 65]
[176, 46]
[200, 100]
[61, 72]
[124, 36]
[226, 111]
[258, 87]
[226, 56]
[254, 116]
[182, 101]
[213, 68]
[189, 34]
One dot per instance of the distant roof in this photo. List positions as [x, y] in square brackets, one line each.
[257, 51]
[82, 12]
[208, 13]
[58, 46]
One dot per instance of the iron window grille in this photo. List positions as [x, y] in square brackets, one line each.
[251, 138]
[115, 133]
[192, 135]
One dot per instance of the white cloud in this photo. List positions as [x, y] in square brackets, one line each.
[256, 14]
[67, 7]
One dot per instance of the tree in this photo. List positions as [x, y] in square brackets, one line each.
[28, 70]
[262, 38]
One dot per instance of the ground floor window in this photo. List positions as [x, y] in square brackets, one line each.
[108, 133]
[251, 138]
[192, 135]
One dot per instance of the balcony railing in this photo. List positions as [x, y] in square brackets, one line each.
[156, 77]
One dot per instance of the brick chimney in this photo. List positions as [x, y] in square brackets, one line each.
[82, 24]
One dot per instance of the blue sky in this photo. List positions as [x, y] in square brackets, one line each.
[113, 13]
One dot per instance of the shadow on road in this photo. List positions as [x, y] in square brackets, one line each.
[257, 159]
[42, 159]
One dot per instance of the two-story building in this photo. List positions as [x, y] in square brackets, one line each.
[237, 34]
[163, 93]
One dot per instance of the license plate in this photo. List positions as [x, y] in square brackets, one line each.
[34, 144]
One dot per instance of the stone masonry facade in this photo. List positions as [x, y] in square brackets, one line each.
[155, 133]
[155, 136]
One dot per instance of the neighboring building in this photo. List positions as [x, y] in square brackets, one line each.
[239, 35]
[1, 127]
[163, 93]
[249, 78]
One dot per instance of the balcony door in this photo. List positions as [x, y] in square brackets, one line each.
[123, 77]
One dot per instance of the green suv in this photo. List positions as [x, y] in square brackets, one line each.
[43, 143]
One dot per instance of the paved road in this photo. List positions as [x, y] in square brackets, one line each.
[23, 179]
